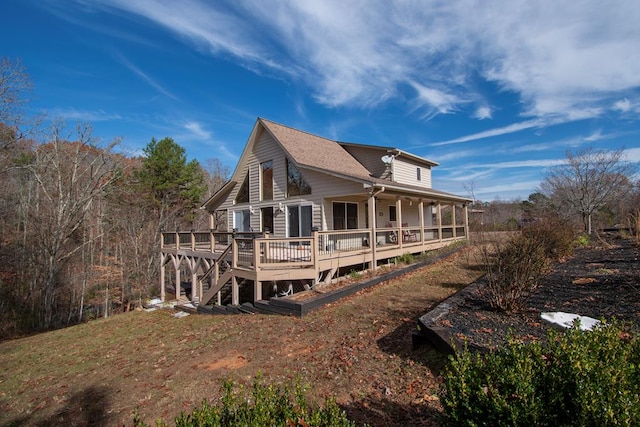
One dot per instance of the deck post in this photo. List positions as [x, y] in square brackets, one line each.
[178, 280]
[195, 296]
[466, 221]
[257, 285]
[399, 221]
[235, 291]
[372, 229]
[162, 278]
[421, 215]
[439, 213]
[453, 220]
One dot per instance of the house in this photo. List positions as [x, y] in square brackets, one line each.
[303, 209]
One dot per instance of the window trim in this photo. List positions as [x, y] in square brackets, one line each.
[346, 205]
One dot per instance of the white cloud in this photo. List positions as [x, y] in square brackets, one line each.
[83, 115]
[483, 112]
[151, 82]
[623, 105]
[568, 59]
[196, 129]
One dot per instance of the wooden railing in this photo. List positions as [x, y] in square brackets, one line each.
[299, 251]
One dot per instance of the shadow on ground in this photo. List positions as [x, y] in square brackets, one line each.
[384, 412]
[84, 408]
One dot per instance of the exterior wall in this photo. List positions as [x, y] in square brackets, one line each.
[404, 172]
[322, 186]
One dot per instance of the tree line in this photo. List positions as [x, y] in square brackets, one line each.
[81, 221]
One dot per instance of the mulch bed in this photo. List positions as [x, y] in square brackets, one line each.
[601, 281]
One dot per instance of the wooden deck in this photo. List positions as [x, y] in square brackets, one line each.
[211, 261]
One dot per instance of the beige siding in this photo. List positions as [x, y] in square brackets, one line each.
[406, 173]
[322, 186]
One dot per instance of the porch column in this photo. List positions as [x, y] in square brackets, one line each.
[466, 221]
[439, 211]
[453, 220]
[373, 219]
[399, 216]
[421, 214]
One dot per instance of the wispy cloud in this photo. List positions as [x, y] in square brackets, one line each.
[562, 59]
[144, 76]
[196, 129]
[83, 115]
[504, 130]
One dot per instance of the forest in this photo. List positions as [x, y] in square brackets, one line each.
[81, 220]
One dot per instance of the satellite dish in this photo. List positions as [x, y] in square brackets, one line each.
[387, 159]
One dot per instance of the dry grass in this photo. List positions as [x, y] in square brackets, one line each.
[358, 349]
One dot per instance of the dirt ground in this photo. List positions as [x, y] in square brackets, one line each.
[358, 349]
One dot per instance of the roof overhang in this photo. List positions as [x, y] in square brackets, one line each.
[222, 192]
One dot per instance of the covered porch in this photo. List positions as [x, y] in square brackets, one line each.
[205, 262]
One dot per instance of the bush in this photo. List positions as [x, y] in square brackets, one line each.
[557, 238]
[262, 406]
[514, 270]
[405, 258]
[578, 378]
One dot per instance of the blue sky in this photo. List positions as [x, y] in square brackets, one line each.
[495, 91]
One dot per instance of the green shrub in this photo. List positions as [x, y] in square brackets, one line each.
[406, 258]
[262, 406]
[578, 378]
[583, 240]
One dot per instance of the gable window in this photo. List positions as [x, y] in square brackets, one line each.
[266, 178]
[345, 216]
[243, 192]
[242, 220]
[299, 220]
[296, 185]
[418, 174]
[266, 216]
[392, 213]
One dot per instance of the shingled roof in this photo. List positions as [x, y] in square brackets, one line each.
[316, 152]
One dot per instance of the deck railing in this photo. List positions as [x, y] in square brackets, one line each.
[297, 251]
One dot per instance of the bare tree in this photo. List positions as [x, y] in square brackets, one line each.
[67, 179]
[589, 181]
[15, 86]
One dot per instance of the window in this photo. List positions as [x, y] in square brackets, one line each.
[266, 216]
[266, 178]
[243, 192]
[418, 174]
[296, 185]
[242, 220]
[345, 216]
[392, 213]
[299, 221]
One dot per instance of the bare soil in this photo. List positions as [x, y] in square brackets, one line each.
[358, 349]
